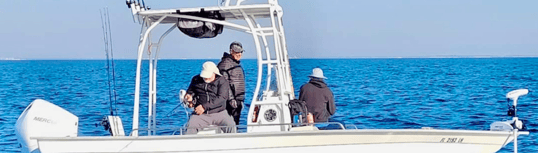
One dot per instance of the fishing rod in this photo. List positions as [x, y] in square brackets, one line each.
[113, 65]
[104, 26]
[111, 123]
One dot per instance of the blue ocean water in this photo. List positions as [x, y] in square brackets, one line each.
[455, 93]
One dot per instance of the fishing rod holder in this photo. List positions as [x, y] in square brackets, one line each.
[136, 7]
[113, 125]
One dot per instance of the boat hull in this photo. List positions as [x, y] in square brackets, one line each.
[351, 140]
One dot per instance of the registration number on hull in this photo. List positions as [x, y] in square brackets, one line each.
[451, 140]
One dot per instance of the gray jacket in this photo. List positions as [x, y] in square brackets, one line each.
[233, 72]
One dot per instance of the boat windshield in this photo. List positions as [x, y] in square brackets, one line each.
[271, 85]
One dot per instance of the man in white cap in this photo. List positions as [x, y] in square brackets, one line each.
[318, 97]
[231, 69]
[208, 93]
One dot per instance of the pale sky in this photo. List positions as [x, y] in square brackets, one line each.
[71, 29]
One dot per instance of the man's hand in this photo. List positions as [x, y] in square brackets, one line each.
[188, 98]
[233, 103]
[199, 110]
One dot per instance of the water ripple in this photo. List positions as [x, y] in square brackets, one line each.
[370, 93]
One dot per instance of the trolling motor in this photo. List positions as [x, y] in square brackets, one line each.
[514, 125]
[512, 110]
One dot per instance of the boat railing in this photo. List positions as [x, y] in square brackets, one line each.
[242, 128]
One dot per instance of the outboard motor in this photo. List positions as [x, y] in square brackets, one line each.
[44, 119]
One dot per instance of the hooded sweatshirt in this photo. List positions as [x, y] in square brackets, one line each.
[319, 99]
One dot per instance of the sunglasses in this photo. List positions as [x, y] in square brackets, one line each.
[238, 52]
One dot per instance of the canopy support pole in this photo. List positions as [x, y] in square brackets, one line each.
[141, 46]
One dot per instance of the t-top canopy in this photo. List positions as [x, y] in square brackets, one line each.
[228, 12]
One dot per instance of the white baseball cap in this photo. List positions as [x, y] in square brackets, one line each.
[208, 69]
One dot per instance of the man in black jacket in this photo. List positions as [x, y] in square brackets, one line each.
[318, 97]
[208, 93]
[231, 70]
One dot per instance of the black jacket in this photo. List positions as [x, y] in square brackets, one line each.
[233, 72]
[319, 99]
[212, 96]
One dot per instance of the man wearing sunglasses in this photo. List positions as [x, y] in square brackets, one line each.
[231, 69]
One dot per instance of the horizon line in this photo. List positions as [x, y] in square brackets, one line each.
[390, 57]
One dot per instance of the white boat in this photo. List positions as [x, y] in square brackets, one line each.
[45, 127]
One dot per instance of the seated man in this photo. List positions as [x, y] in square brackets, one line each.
[208, 93]
[318, 97]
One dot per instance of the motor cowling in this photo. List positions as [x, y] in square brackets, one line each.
[44, 119]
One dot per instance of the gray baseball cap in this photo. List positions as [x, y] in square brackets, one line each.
[236, 47]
